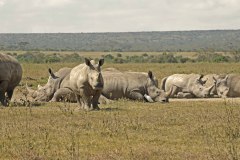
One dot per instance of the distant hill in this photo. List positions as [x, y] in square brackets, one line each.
[217, 40]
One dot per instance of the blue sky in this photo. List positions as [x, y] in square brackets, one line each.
[53, 16]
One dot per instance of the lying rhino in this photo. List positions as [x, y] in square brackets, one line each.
[229, 86]
[189, 85]
[86, 81]
[56, 89]
[10, 76]
[132, 85]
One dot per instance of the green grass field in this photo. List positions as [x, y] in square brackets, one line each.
[123, 129]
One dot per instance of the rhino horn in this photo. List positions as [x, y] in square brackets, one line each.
[52, 74]
[209, 89]
[148, 98]
[31, 91]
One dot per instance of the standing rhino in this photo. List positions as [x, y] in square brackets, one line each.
[10, 76]
[132, 85]
[229, 86]
[56, 89]
[188, 85]
[86, 81]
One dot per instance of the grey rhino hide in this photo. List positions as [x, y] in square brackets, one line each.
[131, 85]
[190, 85]
[10, 76]
[229, 86]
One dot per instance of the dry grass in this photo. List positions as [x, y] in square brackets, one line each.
[123, 129]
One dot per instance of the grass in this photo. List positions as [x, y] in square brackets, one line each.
[123, 129]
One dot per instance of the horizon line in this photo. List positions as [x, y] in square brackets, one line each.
[118, 31]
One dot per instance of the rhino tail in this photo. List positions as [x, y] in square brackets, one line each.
[163, 82]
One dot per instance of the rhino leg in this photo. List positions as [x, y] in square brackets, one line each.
[84, 100]
[3, 88]
[10, 93]
[175, 92]
[185, 95]
[78, 97]
[95, 100]
[104, 100]
[62, 93]
[136, 96]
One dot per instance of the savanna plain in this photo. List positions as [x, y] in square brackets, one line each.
[123, 129]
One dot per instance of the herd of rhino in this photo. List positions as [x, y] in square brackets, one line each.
[87, 85]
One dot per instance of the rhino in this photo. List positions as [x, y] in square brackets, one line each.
[132, 85]
[10, 76]
[56, 89]
[188, 86]
[228, 86]
[87, 83]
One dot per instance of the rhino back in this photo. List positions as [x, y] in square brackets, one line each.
[121, 84]
[10, 70]
[63, 72]
[180, 80]
[64, 77]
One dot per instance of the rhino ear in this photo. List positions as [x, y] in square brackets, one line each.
[214, 79]
[52, 74]
[87, 62]
[204, 82]
[150, 74]
[101, 62]
[226, 78]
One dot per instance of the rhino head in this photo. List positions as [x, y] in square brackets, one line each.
[94, 74]
[199, 90]
[154, 94]
[221, 86]
[46, 92]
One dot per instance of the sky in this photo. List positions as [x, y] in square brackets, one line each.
[75, 16]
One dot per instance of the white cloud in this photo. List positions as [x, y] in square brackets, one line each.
[117, 15]
[2, 2]
[50, 3]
